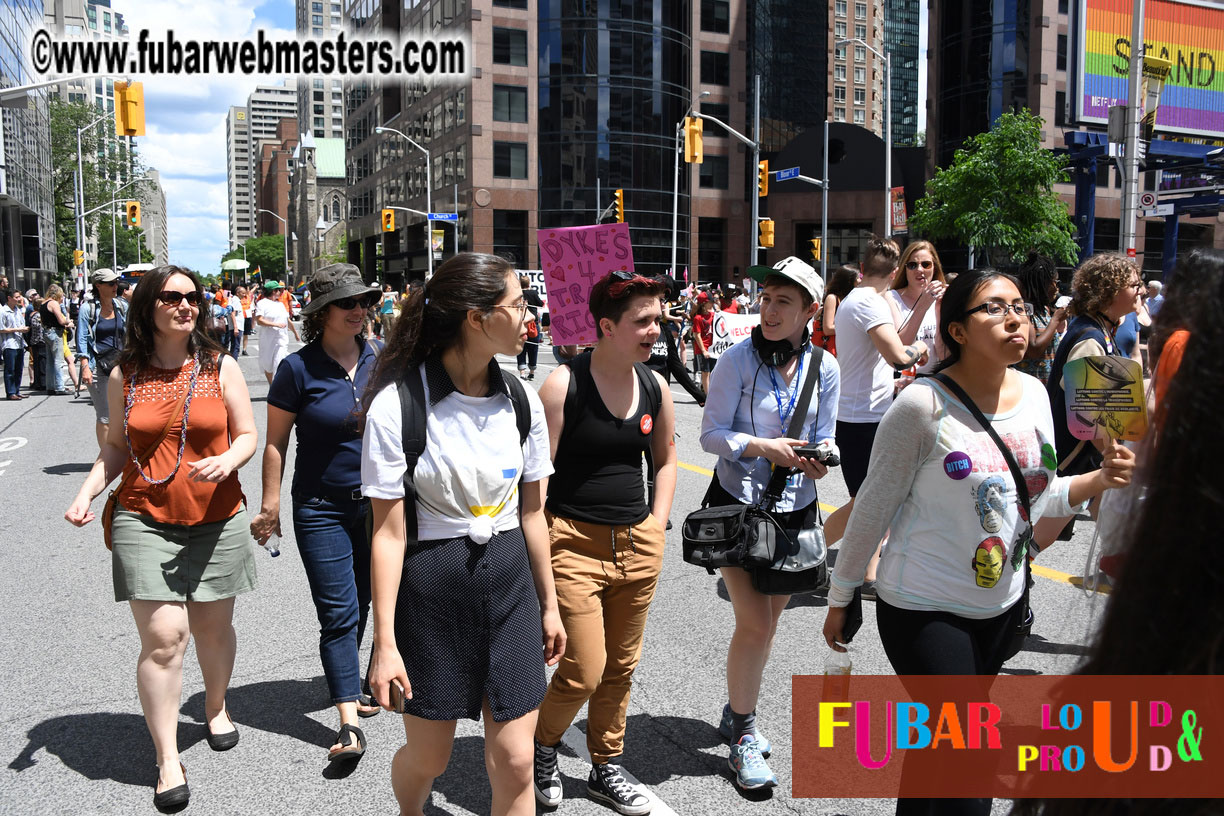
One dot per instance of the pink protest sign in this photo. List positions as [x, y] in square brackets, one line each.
[574, 259]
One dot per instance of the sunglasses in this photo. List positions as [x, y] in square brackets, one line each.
[916, 264]
[175, 298]
[365, 302]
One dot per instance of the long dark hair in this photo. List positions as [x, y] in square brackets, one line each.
[1188, 297]
[1162, 619]
[955, 303]
[431, 317]
[842, 282]
[1035, 276]
[139, 341]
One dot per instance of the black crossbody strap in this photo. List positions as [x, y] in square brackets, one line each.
[780, 475]
[1008, 456]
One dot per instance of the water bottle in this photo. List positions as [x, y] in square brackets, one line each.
[271, 545]
[837, 676]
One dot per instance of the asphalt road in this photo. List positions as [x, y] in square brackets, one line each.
[75, 741]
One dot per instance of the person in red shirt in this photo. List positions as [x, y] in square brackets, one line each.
[703, 337]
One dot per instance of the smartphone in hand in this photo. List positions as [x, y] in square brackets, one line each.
[397, 697]
[1063, 302]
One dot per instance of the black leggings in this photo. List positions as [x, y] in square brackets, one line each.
[943, 643]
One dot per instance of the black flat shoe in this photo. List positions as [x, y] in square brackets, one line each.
[174, 798]
[352, 744]
[226, 741]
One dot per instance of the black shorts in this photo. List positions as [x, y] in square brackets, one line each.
[854, 441]
[705, 364]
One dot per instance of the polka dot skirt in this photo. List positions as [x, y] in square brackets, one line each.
[467, 621]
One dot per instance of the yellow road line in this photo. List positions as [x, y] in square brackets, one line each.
[707, 472]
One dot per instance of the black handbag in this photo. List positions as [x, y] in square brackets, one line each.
[1025, 627]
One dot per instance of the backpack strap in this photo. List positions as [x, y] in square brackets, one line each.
[653, 394]
[413, 413]
[522, 408]
[579, 365]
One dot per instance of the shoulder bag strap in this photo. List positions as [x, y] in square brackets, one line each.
[773, 490]
[413, 413]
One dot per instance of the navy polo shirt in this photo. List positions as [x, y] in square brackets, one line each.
[318, 390]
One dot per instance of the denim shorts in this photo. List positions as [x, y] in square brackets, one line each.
[153, 561]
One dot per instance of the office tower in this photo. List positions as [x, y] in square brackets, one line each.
[320, 102]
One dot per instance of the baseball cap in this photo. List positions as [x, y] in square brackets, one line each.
[31, 294]
[272, 284]
[793, 269]
[104, 275]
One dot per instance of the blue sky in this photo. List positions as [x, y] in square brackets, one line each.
[185, 141]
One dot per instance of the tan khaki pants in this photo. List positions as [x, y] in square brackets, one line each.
[605, 579]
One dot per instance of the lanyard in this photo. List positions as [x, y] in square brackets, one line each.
[794, 393]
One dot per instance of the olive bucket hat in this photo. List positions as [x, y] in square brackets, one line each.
[334, 282]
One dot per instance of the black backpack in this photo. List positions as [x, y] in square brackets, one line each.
[413, 414]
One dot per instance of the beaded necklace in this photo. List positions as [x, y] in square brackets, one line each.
[127, 410]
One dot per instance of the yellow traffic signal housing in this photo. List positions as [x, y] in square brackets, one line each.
[816, 248]
[620, 206]
[78, 257]
[692, 139]
[129, 109]
[763, 179]
[388, 220]
[131, 212]
[767, 233]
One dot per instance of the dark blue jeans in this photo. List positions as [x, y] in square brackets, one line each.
[334, 540]
[12, 371]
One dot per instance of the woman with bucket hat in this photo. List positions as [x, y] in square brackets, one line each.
[317, 389]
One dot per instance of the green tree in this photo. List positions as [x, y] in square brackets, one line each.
[267, 252]
[98, 168]
[998, 195]
[125, 241]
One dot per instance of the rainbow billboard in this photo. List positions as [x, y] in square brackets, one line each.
[1188, 33]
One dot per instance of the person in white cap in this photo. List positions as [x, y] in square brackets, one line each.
[754, 391]
[99, 340]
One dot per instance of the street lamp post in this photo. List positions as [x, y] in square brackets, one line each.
[286, 223]
[676, 179]
[887, 58]
[428, 194]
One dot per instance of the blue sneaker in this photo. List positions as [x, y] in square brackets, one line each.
[724, 731]
[751, 772]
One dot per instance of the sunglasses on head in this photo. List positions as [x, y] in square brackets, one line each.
[916, 264]
[365, 301]
[175, 298]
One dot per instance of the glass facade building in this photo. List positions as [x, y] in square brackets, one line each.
[901, 40]
[794, 68]
[613, 83]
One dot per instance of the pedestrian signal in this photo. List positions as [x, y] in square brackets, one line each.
[131, 212]
[620, 206]
[763, 179]
[767, 233]
[129, 109]
[388, 220]
[692, 139]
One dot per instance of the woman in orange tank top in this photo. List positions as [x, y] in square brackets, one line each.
[181, 546]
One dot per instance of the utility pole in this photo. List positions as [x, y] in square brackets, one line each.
[756, 163]
[1130, 184]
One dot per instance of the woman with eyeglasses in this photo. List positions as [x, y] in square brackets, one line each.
[181, 539]
[950, 582]
[1105, 289]
[465, 614]
[99, 341]
[317, 391]
[915, 293]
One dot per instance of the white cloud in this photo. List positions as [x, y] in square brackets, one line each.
[185, 141]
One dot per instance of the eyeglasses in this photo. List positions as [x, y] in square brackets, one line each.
[171, 298]
[519, 305]
[996, 309]
[1138, 286]
[915, 264]
[366, 302]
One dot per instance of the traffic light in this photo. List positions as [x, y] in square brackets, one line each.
[131, 211]
[620, 206]
[692, 139]
[767, 233]
[78, 257]
[388, 220]
[763, 179]
[816, 249]
[129, 109]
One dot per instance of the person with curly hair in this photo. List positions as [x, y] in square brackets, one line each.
[1105, 289]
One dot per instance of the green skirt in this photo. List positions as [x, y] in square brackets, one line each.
[153, 561]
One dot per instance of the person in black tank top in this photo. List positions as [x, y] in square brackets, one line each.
[605, 410]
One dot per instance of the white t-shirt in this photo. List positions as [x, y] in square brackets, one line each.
[866, 379]
[471, 464]
[928, 329]
[273, 310]
[940, 484]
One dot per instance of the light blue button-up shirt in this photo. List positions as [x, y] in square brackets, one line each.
[742, 404]
[12, 319]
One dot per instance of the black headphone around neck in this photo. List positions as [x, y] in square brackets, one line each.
[775, 353]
